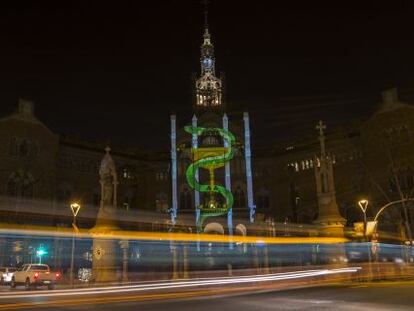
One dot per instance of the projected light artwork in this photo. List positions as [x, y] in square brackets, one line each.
[210, 159]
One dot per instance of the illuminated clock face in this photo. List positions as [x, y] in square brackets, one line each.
[207, 63]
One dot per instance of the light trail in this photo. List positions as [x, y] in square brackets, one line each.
[182, 284]
[18, 230]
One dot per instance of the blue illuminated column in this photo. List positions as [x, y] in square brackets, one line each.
[196, 193]
[174, 168]
[227, 176]
[248, 158]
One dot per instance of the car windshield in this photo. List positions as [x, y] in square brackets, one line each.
[22, 268]
[39, 267]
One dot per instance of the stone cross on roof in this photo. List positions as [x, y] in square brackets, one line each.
[321, 127]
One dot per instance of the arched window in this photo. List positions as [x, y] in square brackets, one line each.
[24, 148]
[127, 173]
[210, 141]
[27, 191]
[64, 193]
[21, 184]
[239, 198]
[161, 202]
[404, 134]
[127, 200]
[263, 201]
[12, 190]
[185, 199]
[13, 148]
[96, 199]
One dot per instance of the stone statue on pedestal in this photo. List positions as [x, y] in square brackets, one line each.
[109, 184]
[104, 263]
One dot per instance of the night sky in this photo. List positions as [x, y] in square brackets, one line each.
[116, 70]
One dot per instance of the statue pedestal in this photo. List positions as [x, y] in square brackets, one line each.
[104, 260]
[330, 221]
[104, 249]
[331, 230]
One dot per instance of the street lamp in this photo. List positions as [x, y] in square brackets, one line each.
[40, 252]
[363, 205]
[382, 209]
[75, 207]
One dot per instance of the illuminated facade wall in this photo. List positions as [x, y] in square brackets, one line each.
[361, 155]
[59, 169]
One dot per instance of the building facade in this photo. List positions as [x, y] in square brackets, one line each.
[373, 159]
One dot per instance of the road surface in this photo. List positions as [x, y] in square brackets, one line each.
[253, 295]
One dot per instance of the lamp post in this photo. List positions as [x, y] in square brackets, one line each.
[363, 205]
[408, 229]
[75, 207]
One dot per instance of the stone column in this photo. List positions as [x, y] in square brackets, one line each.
[227, 180]
[248, 159]
[174, 202]
[124, 246]
[330, 220]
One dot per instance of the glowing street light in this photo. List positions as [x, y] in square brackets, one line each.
[363, 205]
[75, 207]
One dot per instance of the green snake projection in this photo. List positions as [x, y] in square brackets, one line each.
[215, 158]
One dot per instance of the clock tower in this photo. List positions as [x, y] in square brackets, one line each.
[208, 143]
[208, 87]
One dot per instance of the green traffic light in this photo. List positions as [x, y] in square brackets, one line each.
[41, 252]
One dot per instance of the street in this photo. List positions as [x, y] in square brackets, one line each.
[377, 297]
[347, 296]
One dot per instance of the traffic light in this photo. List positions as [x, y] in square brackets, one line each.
[40, 252]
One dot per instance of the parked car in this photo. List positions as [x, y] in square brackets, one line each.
[6, 274]
[34, 275]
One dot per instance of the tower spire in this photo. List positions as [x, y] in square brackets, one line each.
[206, 32]
[206, 14]
[208, 86]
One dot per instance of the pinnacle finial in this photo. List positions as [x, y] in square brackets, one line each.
[206, 2]
[107, 149]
